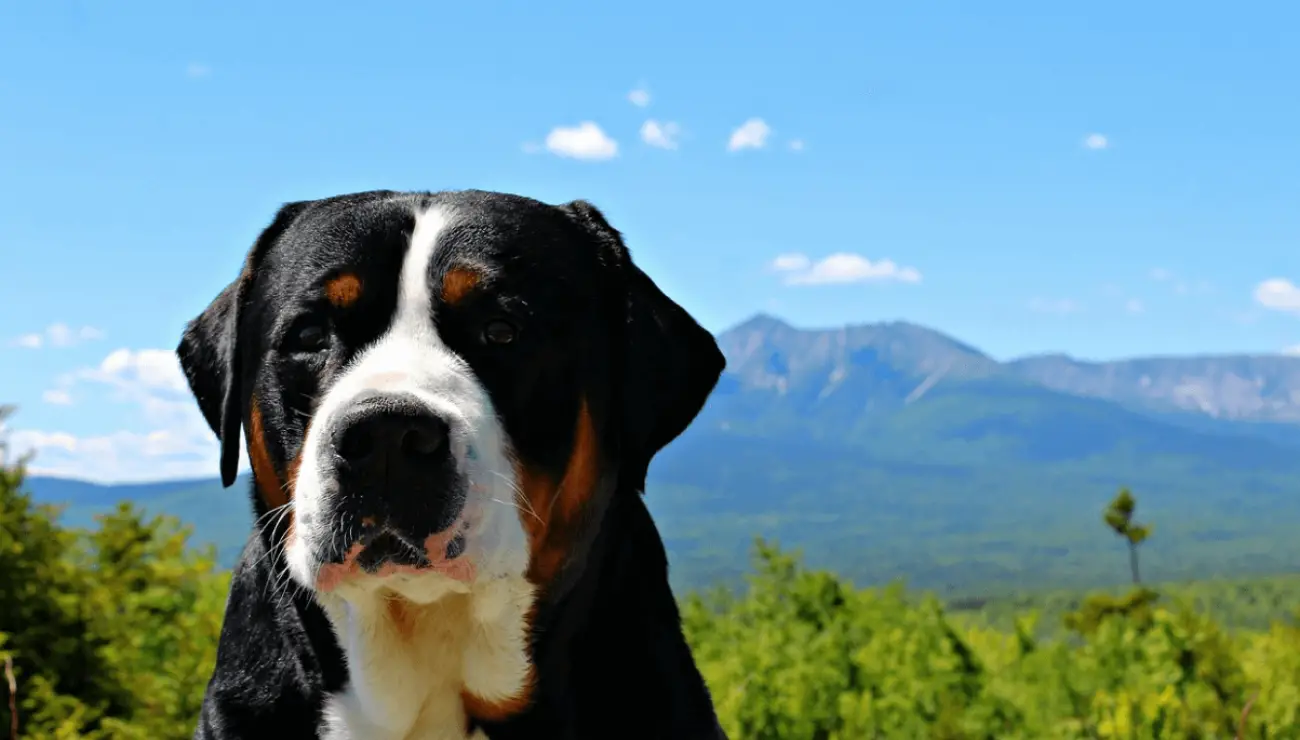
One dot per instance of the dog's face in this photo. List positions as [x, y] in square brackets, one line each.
[438, 390]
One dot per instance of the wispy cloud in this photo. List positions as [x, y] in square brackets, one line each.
[197, 70]
[1096, 142]
[58, 335]
[57, 397]
[176, 441]
[662, 135]
[640, 96]
[751, 134]
[839, 268]
[796, 145]
[586, 141]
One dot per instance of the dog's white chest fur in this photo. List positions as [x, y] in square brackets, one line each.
[411, 661]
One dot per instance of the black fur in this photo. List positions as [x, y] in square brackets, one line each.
[608, 648]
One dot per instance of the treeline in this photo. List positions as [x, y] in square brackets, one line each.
[802, 656]
[110, 633]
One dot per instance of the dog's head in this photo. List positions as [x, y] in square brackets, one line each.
[439, 389]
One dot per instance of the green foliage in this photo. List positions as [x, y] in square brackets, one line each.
[112, 631]
[801, 656]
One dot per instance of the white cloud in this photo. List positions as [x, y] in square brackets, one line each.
[1096, 142]
[197, 70]
[662, 135]
[1133, 305]
[752, 134]
[841, 267]
[1054, 305]
[57, 397]
[172, 439]
[1160, 274]
[792, 262]
[1278, 294]
[59, 335]
[584, 141]
[147, 369]
[796, 145]
[640, 97]
[1292, 351]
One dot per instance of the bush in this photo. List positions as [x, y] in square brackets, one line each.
[112, 632]
[802, 656]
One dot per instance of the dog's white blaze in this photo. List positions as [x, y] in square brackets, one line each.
[405, 679]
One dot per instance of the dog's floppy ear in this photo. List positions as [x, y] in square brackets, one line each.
[670, 363]
[209, 350]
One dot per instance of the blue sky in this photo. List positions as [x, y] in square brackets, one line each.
[1103, 179]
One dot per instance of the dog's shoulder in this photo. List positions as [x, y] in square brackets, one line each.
[276, 659]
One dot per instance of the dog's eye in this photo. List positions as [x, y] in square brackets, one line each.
[499, 331]
[310, 337]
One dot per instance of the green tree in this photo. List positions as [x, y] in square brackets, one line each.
[1119, 517]
[803, 656]
[111, 631]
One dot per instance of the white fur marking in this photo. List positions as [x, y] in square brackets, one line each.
[409, 662]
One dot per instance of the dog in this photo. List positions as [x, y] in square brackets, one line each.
[449, 402]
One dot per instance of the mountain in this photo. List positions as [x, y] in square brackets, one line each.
[1245, 388]
[891, 450]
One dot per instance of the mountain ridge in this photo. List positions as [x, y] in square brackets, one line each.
[892, 450]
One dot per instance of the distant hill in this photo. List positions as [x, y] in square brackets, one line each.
[891, 450]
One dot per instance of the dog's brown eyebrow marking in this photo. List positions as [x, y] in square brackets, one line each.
[343, 289]
[457, 284]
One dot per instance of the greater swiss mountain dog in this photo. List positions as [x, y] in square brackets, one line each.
[449, 402]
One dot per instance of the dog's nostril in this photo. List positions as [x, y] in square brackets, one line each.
[422, 441]
[356, 444]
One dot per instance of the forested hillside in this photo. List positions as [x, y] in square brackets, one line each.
[110, 631]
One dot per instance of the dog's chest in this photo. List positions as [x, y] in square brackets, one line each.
[410, 667]
[399, 690]
[440, 719]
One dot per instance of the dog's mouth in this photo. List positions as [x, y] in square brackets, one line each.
[386, 547]
[383, 551]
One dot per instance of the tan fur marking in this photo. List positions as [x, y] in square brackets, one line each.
[560, 506]
[343, 290]
[457, 284]
[268, 481]
[486, 710]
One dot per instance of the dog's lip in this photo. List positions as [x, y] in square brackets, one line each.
[449, 546]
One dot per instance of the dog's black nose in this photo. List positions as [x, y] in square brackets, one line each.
[396, 473]
[392, 442]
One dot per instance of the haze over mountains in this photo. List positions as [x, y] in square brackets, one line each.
[891, 450]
